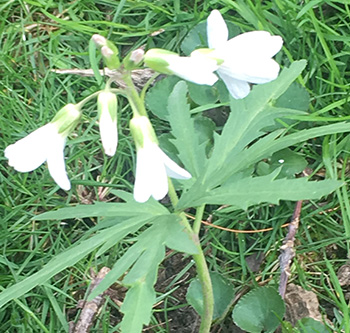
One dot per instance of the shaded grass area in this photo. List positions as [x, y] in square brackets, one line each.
[38, 36]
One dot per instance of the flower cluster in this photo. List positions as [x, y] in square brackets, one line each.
[240, 61]
[46, 144]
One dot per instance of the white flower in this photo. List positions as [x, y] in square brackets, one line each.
[246, 57]
[196, 68]
[153, 166]
[44, 144]
[107, 106]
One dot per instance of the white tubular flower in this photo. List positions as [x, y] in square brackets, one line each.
[46, 144]
[247, 58]
[196, 68]
[107, 108]
[153, 166]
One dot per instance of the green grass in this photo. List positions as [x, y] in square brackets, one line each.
[37, 36]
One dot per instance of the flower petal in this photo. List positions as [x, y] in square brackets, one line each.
[158, 175]
[56, 163]
[196, 69]
[237, 88]
[254, 44]
[108, 133]
[247, 57]
[142, 190]
[107, 104]
[151, 178]
[216, 30]
[30, 152]
[251, 70]
[172, 169]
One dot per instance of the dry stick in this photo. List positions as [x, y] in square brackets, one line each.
[90, 308]
[287, 249]
[139, 76]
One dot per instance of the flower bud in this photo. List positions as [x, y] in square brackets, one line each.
[142, 131]
[197, 68]
[159, 60]
[99, 40]
[107, 108]
[137, 56]
[133, 59]
[108, 50]
[110, 57]
[66, 119]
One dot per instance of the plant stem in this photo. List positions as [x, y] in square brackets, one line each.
[172, 194]
[146, 86]
[134, 99]
[203, 275]
[87, 99]
[199, 259]
[207, 290]
[137, 105]
[198, 220]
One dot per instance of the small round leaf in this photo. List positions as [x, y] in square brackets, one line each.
[310, 325]
[259, 310]
[223, 295]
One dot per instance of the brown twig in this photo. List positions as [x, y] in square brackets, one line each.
[287, 249]
[90, 308]
[139, 76]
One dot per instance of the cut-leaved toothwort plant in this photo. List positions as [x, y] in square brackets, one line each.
[195, 169]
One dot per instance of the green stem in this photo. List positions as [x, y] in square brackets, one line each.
[136, 103]
[146, 86]
[203, 275]
[138, 107]
[199, 259]
[174, 200]
[109, 83]
[207, 289]
[88, 98]
[92, 96]
[172, 194]
[198, 220]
